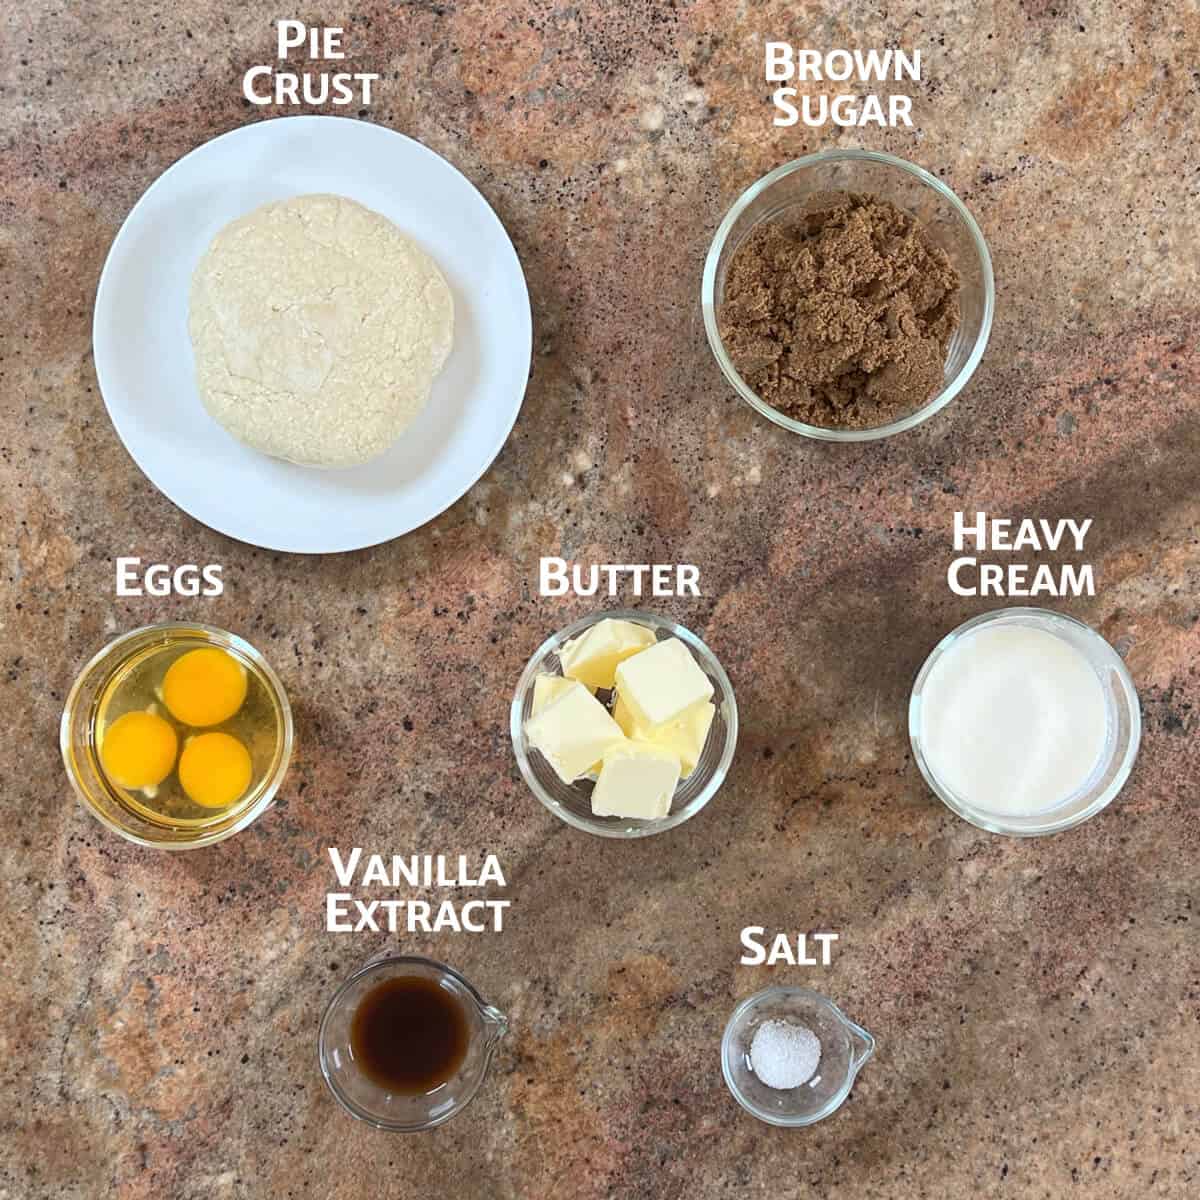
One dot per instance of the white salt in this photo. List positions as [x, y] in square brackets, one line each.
[784, 1055]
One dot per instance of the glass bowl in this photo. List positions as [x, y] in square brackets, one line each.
[572, 802]
[939, 210]
[367, 1100]
[1121, 742]
[845, 1047]
[77, 739]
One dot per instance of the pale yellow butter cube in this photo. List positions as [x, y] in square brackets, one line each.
[547, 689]
[636, 780]
[685, 736]
[593, 656]
[573, 732]
[660, 684]
[623, 717]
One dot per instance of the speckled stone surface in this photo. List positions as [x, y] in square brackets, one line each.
[1037, 1004]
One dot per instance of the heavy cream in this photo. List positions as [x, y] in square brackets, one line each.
[1014, 719]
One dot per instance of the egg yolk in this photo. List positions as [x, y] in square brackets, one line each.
[204, 687]
[138, 750]
[214, 769]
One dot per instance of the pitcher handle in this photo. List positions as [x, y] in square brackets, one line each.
[496, 1022]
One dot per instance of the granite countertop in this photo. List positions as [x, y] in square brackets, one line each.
[1036, 1003]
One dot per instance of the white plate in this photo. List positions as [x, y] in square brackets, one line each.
[144, 356]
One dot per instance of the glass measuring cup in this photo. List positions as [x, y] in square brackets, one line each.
[845, 1047]
[365, 1099]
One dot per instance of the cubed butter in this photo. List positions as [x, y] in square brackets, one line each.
[628, 723]
[573, 732]
[593, 656]
[636, 780]
[547, 689]
[660, 684]
[684, 737]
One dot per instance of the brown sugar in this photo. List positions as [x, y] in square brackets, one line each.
[841, 317]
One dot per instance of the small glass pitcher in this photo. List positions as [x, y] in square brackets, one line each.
[367, 1100]
[845, 1047]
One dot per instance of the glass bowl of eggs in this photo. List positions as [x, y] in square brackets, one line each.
[624, 724]
[177, 735]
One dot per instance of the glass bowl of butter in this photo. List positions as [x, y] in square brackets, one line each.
[624, 724]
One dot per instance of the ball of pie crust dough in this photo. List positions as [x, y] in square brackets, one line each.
[318, 329]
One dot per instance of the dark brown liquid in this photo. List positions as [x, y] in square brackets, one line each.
[409, 1035]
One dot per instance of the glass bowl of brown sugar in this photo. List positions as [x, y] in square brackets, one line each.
[848, 295]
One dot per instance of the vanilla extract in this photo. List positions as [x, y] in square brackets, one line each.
[409, 1035]
[345, 913]
[415, 870]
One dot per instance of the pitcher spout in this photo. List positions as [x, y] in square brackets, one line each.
[863, 1046]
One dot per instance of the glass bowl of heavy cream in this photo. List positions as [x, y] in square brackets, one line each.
[624, 724]
[1024, 721]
